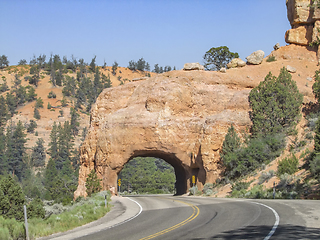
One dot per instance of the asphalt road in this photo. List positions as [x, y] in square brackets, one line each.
[168, 217]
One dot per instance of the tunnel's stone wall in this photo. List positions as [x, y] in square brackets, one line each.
[181, 117]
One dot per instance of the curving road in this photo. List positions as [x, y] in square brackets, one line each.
[169, 217]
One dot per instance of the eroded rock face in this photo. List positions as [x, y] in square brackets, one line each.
[303, 18]
[181, 117]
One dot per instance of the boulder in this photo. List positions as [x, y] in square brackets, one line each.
[301, 35]
[276, 47]
[255, 57]
[193, 66]
[223, 70]
[291, 69]
[236, 62]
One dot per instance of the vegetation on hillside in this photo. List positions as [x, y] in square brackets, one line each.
[217, 58]
[276, 106]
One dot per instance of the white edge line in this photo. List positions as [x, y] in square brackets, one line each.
[129, 219]
[276, 224]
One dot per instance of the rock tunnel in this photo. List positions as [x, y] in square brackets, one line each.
[180, 117]
[183, 173]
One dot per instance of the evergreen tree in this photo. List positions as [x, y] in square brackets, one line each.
[156, 68]
[11, 103]
[216, 58]
[106, 81]
[275, 104]
[114, 67]
[53, 144]
[36, 113]
[230, 147]
[4, 61]
[21, 95]
[93, 64]
[38, 154]
[3, 111]
[69, 87]
[3, 157]
[32, 126]
[132, 65]
[97, 84]
[93, 183]
[11, 199]
[141, 64]
[31, 95]
[74, 124]
[16, 150]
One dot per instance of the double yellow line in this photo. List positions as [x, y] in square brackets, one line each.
[195, 214]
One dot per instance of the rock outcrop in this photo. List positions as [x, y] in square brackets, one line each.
[236, 62]
[192, 66]
[179, 116]
[256, 57]
[305, 21]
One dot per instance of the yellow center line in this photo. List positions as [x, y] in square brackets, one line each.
[195, 214]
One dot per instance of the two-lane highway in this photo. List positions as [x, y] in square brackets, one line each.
[168, 217]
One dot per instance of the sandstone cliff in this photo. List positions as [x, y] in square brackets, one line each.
[181, 117]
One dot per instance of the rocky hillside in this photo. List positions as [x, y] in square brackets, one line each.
[49, 116]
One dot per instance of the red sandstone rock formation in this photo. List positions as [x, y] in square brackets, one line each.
[179, 116]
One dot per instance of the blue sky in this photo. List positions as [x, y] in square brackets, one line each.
[167, 32]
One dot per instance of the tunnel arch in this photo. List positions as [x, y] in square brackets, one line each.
[182, 172]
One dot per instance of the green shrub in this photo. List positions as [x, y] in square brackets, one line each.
[266, 176]
[315, 166]
[52, 95]
[271, 59]
[288, 165]
[11, 229]
[240, 186]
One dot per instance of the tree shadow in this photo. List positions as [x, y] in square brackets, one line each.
[260, 232]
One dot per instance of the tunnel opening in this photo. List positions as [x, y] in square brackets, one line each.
[166, 165]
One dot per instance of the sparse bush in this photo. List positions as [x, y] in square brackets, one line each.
[36, 113]
[266, 176]
[288, 165]
[240, 186]
[32, 126]
[193, 190]
[208, 189]
[285, 180]
[52, 95]
[315, 166]
[49, 106]
[271, 59]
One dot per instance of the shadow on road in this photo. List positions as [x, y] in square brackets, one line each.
[260, 232]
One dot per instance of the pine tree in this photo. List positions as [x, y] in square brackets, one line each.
[3, 157]
[3, 111]
[17, 155]
[38, 155]
[230, 146]
[53, 145]
[93, 64]
[11, 199]
[114, 67]
[31, 95]
[11, 103]
[74, 124]
[93, 183]
[275, 104]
